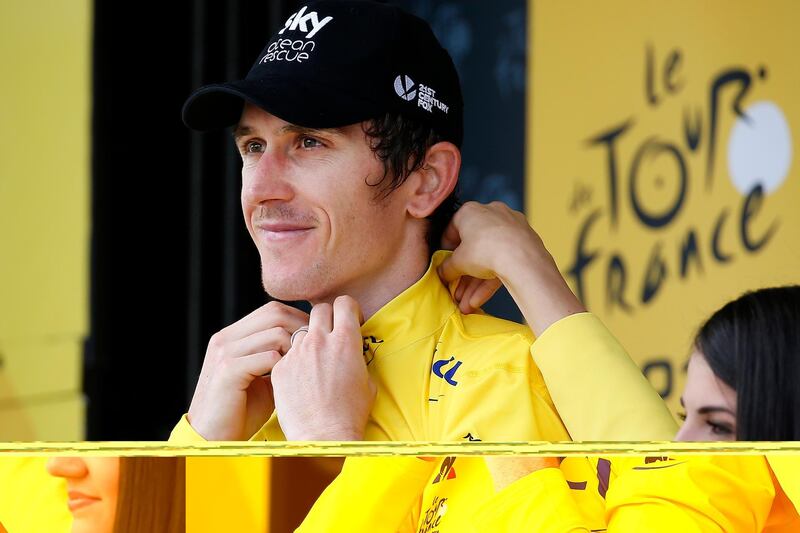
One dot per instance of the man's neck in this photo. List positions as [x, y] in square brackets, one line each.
[402, 271]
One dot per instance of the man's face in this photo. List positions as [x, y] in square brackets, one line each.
[309, 209]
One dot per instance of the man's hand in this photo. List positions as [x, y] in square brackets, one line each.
[233, 398]
[493, 244]
[482, 237]
[322, 387]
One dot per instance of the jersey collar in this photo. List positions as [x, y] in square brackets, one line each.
[414, 314]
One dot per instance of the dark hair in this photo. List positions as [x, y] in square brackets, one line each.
[152, 495]
[753, 345]
[401, 143]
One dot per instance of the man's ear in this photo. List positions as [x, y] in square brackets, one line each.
[435, 180]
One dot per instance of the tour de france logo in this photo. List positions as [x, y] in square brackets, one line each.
[654, 184]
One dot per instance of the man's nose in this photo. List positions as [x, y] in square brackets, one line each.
[68, 467]
[268, 178]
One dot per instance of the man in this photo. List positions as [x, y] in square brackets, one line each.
[349, 126]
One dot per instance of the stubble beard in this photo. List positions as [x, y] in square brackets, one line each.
[308, 284]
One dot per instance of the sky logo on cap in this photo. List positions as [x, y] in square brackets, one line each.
[404, 87]
[299, 20]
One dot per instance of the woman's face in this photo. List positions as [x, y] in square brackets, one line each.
[709, 403]
[92, 489]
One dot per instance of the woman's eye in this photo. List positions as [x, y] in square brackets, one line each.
[682, 416]
[310, 142]
[720, 429]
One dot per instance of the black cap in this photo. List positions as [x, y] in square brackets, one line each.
[340, 62]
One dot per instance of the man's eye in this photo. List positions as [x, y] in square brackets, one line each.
[253, 147]
[310, 142]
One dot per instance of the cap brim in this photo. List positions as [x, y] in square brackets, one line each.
[304, 104]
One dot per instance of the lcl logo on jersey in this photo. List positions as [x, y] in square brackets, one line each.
[371, 345]
[449, 375]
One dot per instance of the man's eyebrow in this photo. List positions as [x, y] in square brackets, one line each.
[241, 130]
[293, 128]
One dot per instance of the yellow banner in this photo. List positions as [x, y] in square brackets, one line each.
[45, 120]
[661, 168]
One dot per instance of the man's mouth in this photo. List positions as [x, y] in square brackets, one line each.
[281, 231]
[78, 500]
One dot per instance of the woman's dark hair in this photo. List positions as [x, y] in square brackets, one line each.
[401, 143]
[152, 495]
[753, 345]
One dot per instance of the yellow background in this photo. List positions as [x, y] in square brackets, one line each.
[587, 74]
[44, 216]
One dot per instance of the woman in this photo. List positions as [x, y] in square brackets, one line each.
[120, 495]
[749, 351]
[742, 382]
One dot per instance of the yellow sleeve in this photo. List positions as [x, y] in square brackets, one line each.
[583, 364]
[30, 498]
[540, 502]
[371, 494]
[692, 495]
[184, 433]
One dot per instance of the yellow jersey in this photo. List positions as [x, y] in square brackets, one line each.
[444, 376]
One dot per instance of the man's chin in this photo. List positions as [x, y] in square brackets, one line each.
[290, 281]
[289, 292]
[288, 296]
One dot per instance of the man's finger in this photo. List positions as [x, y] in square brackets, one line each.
[321, 319]
[449, 270]
[483, 292]
[262, 341]
[257, 364]
[346, 314]
[270, 315]
[450, 237]
[297, 337]
[462, 286]
[470, 285]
